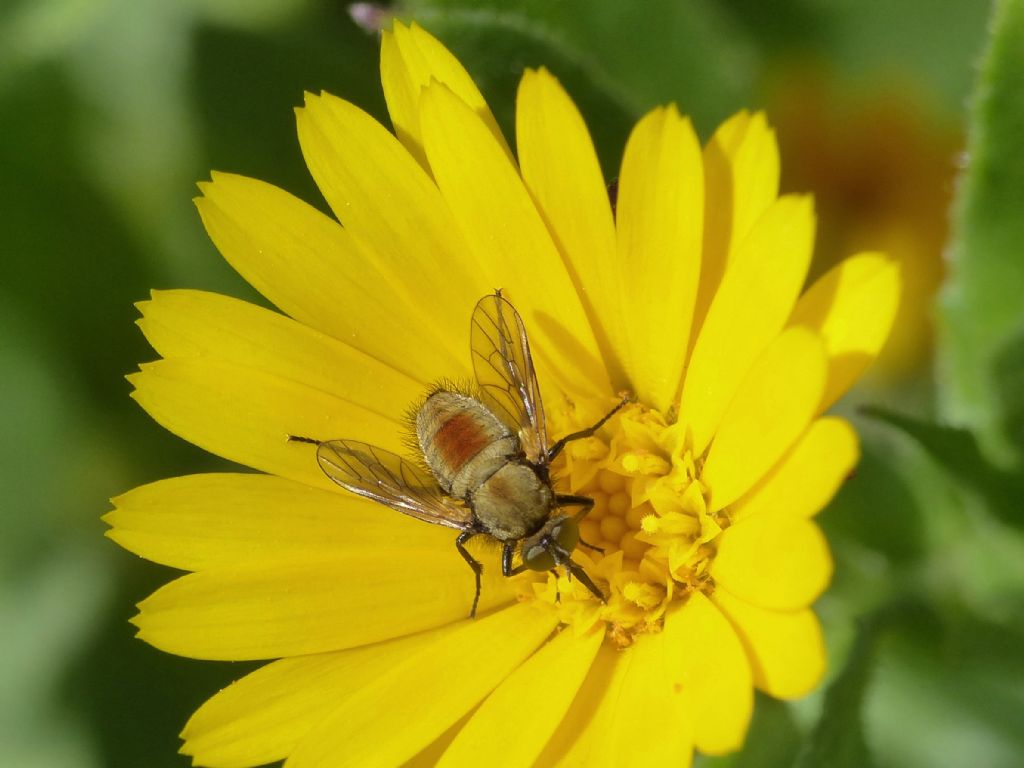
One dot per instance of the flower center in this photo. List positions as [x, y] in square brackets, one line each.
[650, 519]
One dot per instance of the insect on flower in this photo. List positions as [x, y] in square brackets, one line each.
[488, 456]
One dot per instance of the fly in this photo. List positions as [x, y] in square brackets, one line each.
[488, 459]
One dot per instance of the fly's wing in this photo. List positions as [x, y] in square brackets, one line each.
[391, 480]
[504, 371]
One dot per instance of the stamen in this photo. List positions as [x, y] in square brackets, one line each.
[649, 516]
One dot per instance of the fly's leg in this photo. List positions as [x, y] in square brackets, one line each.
[573, 569]
[561, 558]
[506, 561]
[587, 503]
[558, 595]
[557, 447]
[460, 544]
[594, 547]
[569, 500]
[580, 574]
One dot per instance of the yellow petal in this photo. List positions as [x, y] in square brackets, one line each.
[185, 323]
[513, 724]
[314, 271]
[626, 713]
[659, 223]
[707, 663]
[560, 169]
[407, 707]
[410, 57]
[786, 649]
[263, 716]
[773, 561]
[268, 610]
[753, 157]
[206, 521]
[809, 475]
[570, 744]
[751, 306]
[853, 307]
[430, 754]
[402, 95]
[500, 222]
[246, 416]
[412, 251]
[771, 409]
[741, 180]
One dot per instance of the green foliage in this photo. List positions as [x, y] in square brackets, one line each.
[946, 689]
[958, 452]
[773, 732]
[877, 509]
[1008, 374]
[838, 738]
[981, 309]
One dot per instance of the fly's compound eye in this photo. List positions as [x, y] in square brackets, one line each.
[567, 534]
[537, 558]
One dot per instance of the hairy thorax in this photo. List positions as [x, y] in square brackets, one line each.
[513, 502]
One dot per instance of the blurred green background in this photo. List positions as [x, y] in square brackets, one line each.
[112, 110]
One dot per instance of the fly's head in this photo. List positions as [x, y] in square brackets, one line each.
[552, 545]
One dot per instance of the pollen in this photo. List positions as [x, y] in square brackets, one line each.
[649, 538]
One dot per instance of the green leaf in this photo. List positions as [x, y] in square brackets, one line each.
[982, 305]
[957, 450]
[1009, 381]
[946, 688]
[617, 59]
[882, 481]
[838, 738]
[772, 741]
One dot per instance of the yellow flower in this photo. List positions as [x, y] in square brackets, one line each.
[688, 294]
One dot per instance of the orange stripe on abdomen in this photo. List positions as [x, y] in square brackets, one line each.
[459, 439]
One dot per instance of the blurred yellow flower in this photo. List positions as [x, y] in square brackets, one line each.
[687, 292]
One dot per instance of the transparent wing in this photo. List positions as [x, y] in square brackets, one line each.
[391, 480]
[504, 371]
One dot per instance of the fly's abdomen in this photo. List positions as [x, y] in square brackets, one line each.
[462, 441]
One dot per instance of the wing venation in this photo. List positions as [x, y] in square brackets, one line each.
[505, 373]
[389, 479]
